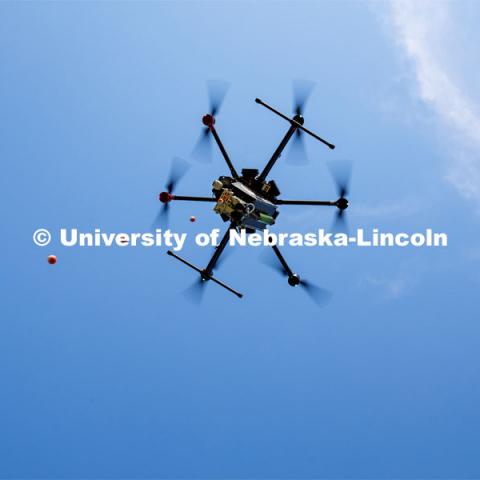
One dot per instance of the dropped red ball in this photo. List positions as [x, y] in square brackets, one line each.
[52, 259]
[192, 219]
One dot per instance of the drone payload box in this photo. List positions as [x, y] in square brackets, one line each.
[236, 202]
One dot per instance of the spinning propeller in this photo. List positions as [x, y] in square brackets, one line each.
[341, 171]
[196, 290]
[319, 295]
[302, 89]
[178, 169]
[216, 94]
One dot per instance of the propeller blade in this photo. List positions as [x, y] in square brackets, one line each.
[178, 169]
[341, 171]
[340, 224]
[321, 296]
[162, 218]
[302, 89]
[217, 89]
[202, 151]
[297, 155]
[196, 291]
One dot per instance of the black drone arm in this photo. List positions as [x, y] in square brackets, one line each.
[218, 251]
[193, 199]
[284, 263]
[224, 152]
[295, 123]
[277, 153]
[325, 203]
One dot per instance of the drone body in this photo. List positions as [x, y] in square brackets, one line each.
[246, 202]
[249, 201]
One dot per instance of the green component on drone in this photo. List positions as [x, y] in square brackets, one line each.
[266, 219]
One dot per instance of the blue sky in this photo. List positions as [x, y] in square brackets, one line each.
[107, 370]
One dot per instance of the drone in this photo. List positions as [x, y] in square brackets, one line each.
[249, 200]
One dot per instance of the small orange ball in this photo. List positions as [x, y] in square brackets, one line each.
[192, 219]
[52, 259]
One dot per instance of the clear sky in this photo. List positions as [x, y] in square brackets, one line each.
[108, 371]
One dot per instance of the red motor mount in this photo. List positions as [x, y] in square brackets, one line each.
[165, 197]
[208, 120]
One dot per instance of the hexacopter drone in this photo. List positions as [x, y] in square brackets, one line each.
[249, 201]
